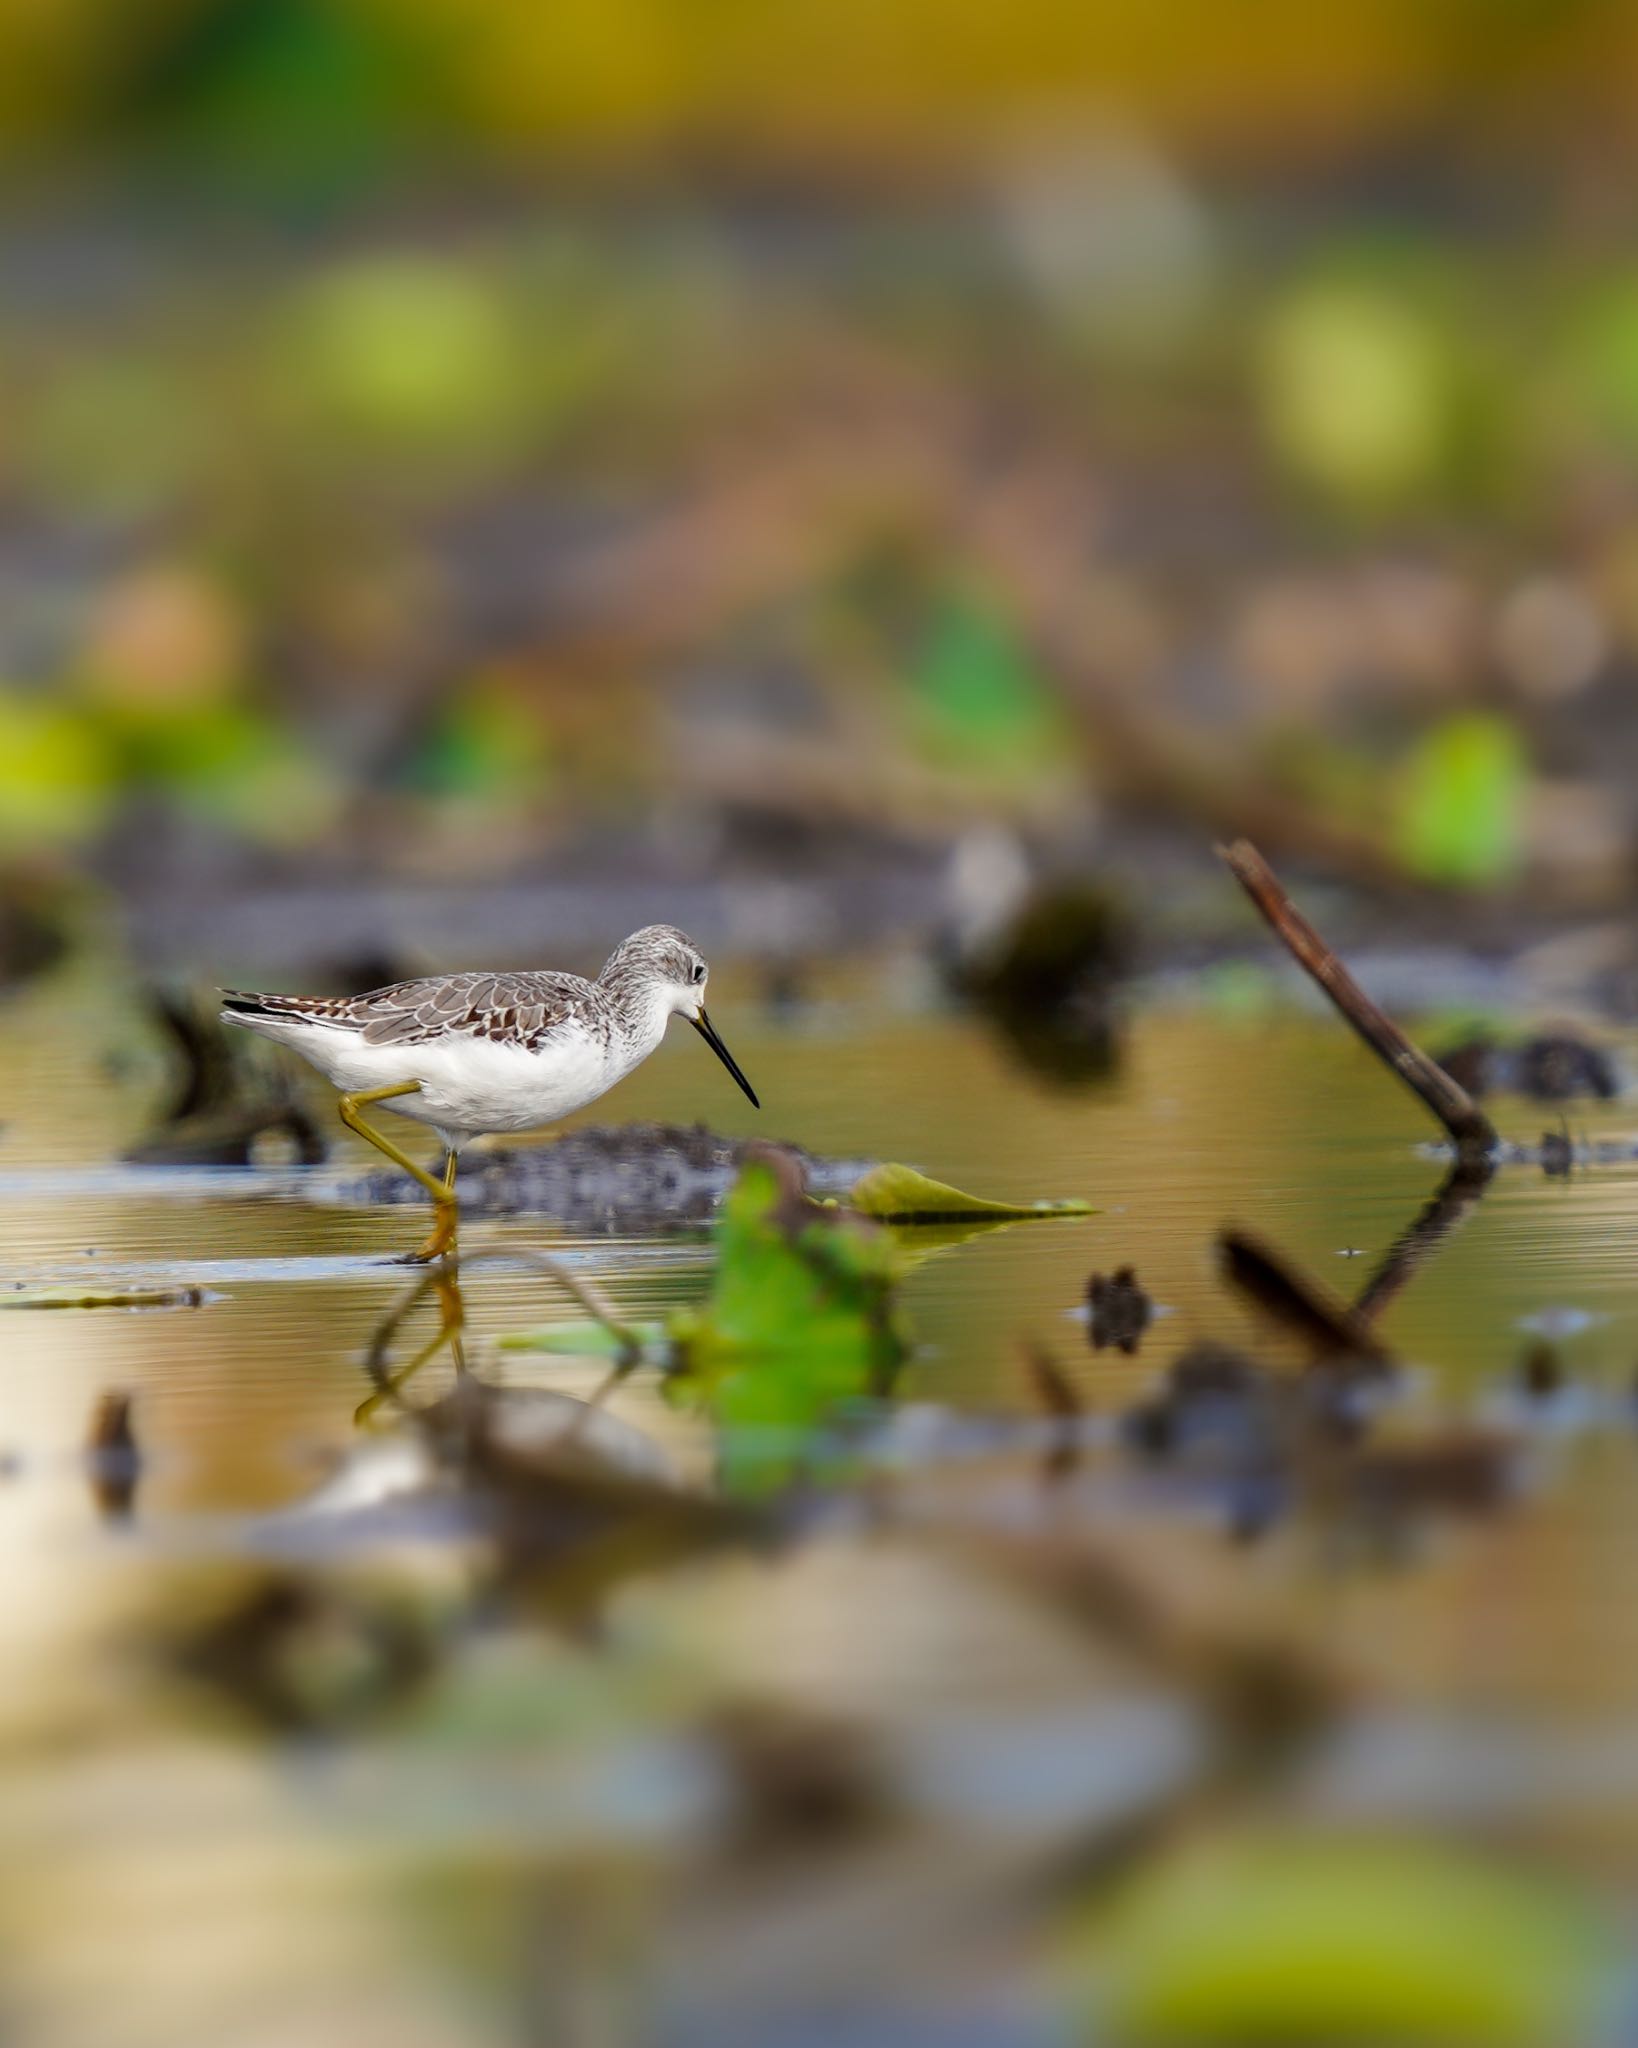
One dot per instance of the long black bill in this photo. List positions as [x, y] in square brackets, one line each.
[702, 1024]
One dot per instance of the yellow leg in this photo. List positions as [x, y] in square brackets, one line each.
[441, 1191]
[445, 1219]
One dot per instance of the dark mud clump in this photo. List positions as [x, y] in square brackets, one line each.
[1555, 1066]
[1051, 981]
[1118, 1311]
[606, 1177]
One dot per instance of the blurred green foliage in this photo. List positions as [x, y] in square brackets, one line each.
[1605, 359]
[800, 1320]
[980, 700]
[1461, 801]
[1358, 393]
[56, 773]
[406, 350]
[1373, 1940]
[487, 744]
[378, 417]
[326, 88]
[291, 442]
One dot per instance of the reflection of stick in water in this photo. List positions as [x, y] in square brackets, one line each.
[1470, 1129]
[1455, 1195]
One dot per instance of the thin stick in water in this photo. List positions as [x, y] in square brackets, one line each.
[1470, 1129]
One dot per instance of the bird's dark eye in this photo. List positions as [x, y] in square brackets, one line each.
[699, 970]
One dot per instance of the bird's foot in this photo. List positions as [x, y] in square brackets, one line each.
[440, 1245]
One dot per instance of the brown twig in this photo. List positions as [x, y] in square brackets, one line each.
[1470, 1129]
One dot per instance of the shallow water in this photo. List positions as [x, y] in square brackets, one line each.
[143, 1800]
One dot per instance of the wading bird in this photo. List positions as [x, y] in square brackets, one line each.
[474, 1053]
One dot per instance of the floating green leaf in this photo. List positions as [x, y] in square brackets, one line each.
[1374, 1939]
[892, 1193]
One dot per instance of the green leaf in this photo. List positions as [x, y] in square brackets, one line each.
[795, 1281]
[800, 1321]
[1370, 1939]
[1461, 801]
[892, 1193]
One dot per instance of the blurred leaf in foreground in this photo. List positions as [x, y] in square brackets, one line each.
[1376, 1940]
[1461, 800]
[800, 1318]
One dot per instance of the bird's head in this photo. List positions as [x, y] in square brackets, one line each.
[662, 967]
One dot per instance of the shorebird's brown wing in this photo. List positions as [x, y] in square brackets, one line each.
[514, 1009]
